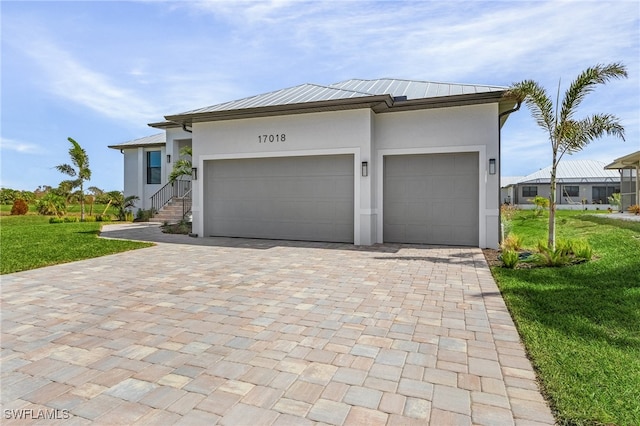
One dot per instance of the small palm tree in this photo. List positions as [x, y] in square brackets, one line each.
[81, 172]
[566, 133]
[121, 203]
[182, 167]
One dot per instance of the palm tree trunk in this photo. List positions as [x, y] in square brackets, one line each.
[81, 202]
[551, 243]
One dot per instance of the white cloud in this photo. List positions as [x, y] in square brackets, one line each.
[19, 146]
[70, 79]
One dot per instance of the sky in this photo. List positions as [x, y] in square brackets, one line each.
[99, 71]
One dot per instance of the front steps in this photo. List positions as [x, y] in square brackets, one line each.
[171, 212]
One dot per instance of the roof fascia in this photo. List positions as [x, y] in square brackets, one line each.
[374, 102]
[138, 145]
[446, 101]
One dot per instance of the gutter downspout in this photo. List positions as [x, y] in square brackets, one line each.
[502, 114]
[184, 127]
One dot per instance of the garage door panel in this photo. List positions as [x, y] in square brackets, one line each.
[431, 199]
[302, 198]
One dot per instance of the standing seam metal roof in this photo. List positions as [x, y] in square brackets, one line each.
[349, 89]
[574, 171]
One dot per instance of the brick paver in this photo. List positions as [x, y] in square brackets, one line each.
[230, 331]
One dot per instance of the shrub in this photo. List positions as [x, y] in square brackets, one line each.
[582, 250]
[56, 219]
[71, 219]
[541, 204]
[144, 215]
[615, 200]
[512, 242]
[510, 258]
[103, 218]
[19, 207]
[90, 219]
[566, 252]
[50, 205]
[634, 209]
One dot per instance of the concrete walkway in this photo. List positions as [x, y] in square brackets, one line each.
[249, 332]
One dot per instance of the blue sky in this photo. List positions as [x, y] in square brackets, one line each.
[100, 71]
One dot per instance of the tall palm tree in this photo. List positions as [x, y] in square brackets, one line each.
[566, 133]
[81, 172]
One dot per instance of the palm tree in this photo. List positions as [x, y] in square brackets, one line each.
[566, 133]
[121, 203]
[182, 167]
[81, 172]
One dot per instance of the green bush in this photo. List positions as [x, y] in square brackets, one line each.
[90, 219]
[71, 219]
[103, 218]
[56, 219]
[51, 205]
[512, 242]
[144, 215]
[510, 258]
[566, 252]
[19, 207]
[581, 250]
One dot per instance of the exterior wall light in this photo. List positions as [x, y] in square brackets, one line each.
[194, 173]
[168, 158]
[492, 166]
[365, 169]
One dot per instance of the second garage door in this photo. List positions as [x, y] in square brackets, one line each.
[293, 198]
[431, 199]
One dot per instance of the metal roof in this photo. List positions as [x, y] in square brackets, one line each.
[574, 171]
[509, 180]
[381, 95]
[157, 139]
[414, 89]
[630, 161]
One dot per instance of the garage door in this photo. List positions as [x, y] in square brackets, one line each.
[292, 198]
[431, 199]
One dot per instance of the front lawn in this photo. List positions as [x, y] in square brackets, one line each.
[581, 324]
[30, 241]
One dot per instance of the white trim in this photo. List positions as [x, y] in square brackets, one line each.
[482, 182]
[300, 153]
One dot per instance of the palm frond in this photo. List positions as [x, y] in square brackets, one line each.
[585, 83]
[537, 100]
[579, 133]
[66, 169]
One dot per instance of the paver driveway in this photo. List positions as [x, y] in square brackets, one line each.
[261, 332]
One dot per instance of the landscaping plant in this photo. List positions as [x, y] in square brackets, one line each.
[568, 134]
[19, 207]
[81, 171]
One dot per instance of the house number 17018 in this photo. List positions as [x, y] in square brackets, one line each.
[281, 137]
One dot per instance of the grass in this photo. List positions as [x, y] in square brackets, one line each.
[581, 324]
[30, 241]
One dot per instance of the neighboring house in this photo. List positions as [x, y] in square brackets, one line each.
[629, 169]
[579, 183]
[360, 161]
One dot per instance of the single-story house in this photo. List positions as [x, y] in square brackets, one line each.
[360, 161]
[578, 183]
[629, 169]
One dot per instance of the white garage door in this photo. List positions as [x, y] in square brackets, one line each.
[431, 199]
[292, 198]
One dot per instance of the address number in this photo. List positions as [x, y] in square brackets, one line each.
[281, 137]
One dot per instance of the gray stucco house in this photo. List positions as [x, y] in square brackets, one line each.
[359, 161]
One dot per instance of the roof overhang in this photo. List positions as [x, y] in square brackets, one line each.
[630, 161]
[130, 146]
[377, 103]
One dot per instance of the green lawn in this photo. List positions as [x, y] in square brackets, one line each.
[581, 324]
[30, 241]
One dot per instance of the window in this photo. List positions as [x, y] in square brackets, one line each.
[571, 191]
[529, 191]
[601, 194]
[153, 167]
